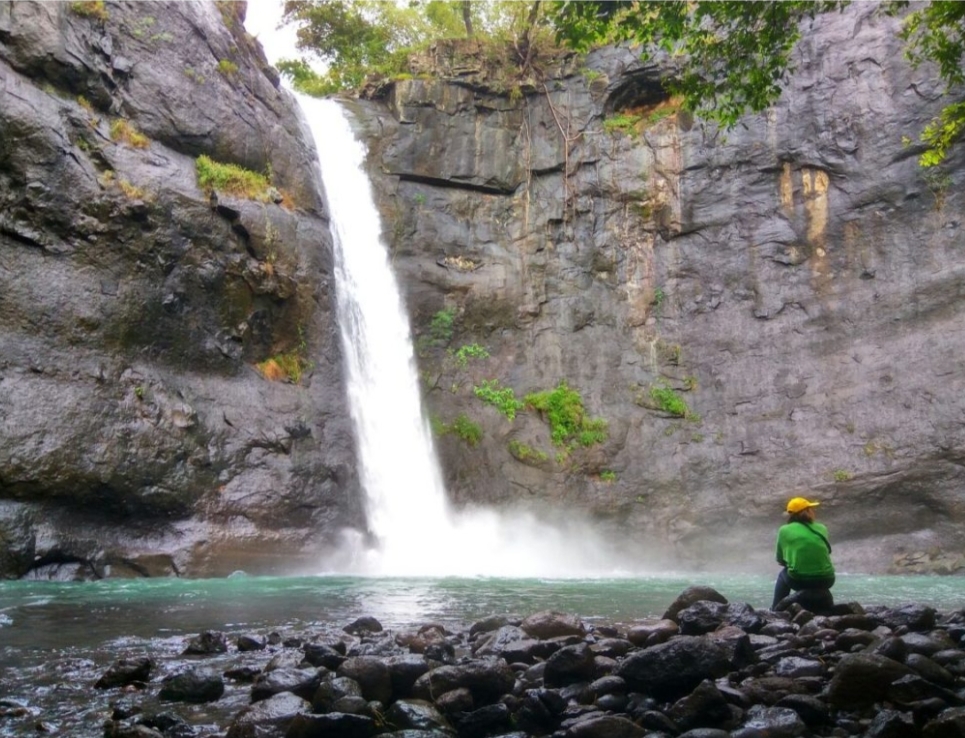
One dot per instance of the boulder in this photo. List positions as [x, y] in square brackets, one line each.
[126, 671]
[272, 715]
[550, 624]
[192, 685]
[671, 670]
[861, 679]
[487, 680]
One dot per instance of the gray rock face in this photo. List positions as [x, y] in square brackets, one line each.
[136, 435]
[797, 281]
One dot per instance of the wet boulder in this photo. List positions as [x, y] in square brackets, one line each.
[671, 670]
[949, 723]
[705, 707]
[119, 729]
[487, 679]
[332, 691]
[268, 717]
[372, 675]
[861, 679]
[704, 616]
[428, 639]
[912, 689]
[207, 643]
[913, 616]
[404, 670]
[302, 682]
[455, 701]
[193, 685]
[539, 711]
[613, 647]
[126, 671]
[773, 721]
[332, 725]
[930, 670]
[690, 596]
[246, 643]
[550, 624]
[605, 726]
[363, 626]
[513, 644]
[489, 624]
[927, 644]
[322, 654]
[568, 665]
[812, 710]
[652, 632]
[893, 724]
[485, 721]
[416, 715]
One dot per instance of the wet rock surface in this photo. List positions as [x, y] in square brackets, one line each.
[783, 674]
[138, 437]
[796, 281]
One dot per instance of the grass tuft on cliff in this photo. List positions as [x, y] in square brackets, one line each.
[231, 179]
[90, 9]
[123, 131]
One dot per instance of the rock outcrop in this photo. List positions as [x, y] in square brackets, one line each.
[758, 313]
[137, 436]
[796, 282]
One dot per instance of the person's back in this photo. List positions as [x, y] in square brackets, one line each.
[804, 547]
[804, 552]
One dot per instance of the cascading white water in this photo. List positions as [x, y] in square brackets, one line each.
[417, 533]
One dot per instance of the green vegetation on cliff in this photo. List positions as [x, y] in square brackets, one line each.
[463, 427]
[356, 39]
[232, 179]
[563, 409]
[734, 57]
[502, 398]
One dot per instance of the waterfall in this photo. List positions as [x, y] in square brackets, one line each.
[416, 532]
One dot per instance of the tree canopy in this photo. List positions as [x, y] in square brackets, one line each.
[734, 56]
[936, 33]
[357, 38]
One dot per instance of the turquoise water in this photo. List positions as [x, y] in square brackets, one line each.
[49, 615]
[57, 639]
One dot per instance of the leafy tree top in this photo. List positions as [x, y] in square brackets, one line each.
[358, 38]
[733, 56]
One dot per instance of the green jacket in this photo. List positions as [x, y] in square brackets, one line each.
[803, 552]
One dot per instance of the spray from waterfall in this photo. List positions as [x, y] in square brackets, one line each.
[416, 531]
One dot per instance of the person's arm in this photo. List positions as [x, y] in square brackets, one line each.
[780, 555]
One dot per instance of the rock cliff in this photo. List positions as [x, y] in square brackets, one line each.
[796, 283]
[138, 437]
[770, 311]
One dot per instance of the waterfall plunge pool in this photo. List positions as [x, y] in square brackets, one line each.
[78, 617]
[57, 638]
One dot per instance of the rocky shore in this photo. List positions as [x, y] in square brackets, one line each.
[706, 669]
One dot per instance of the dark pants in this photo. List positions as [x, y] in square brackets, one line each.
[785, 583]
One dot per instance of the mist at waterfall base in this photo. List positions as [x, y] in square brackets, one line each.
[415, 530]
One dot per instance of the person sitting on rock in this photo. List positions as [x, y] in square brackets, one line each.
[804, 551]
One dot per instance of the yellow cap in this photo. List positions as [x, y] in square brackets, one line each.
[797, 504]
